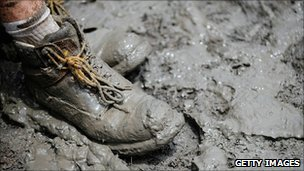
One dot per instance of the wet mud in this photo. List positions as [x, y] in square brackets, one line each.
[234, 69]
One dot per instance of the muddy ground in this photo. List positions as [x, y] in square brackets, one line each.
[233, 69]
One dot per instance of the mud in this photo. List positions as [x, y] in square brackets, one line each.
[234, 69]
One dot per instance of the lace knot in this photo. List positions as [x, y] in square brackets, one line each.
[85, 74]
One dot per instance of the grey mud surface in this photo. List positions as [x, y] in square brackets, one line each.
[234, 69]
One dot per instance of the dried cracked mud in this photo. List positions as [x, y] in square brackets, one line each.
[233, 69]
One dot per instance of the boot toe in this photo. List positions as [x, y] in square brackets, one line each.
[163, 122]
[160, 121]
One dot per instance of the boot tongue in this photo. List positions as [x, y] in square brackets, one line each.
[68, 45]
[66, 38]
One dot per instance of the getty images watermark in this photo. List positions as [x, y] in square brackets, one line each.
[267, 162]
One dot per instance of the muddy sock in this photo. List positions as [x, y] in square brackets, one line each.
[33, 29]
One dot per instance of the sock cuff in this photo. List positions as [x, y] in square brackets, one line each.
[33, 29]
[40, 16]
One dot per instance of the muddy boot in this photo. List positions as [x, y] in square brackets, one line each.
[120, 50]
[64, 77]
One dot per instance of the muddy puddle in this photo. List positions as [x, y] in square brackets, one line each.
[233, 69]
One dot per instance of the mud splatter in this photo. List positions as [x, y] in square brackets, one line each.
[234, 69]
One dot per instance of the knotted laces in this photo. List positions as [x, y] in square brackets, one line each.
[78, 65]
[56, 7]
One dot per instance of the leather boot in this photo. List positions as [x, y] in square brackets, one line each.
[120, 50]
[65, 78]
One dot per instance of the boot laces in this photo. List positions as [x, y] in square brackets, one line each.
[78, 65]
[56, 7]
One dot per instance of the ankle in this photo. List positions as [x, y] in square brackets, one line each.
[33, 29]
